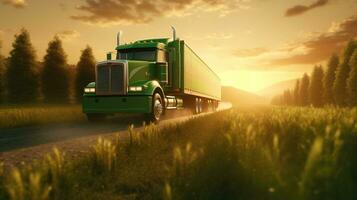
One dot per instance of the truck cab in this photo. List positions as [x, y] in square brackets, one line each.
[132, 83]
[149, 77]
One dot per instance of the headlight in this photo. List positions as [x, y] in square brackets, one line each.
[89, 90]
[135, 88]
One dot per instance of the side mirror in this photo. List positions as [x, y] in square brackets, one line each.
[109, 56]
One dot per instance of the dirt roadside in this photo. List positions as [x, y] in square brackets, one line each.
[77, 141]
[73, 148]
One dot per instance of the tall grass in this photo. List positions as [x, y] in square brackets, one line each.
[104, 155]
[261, 153]
[281, 153]
[35, 115]
[27, 184]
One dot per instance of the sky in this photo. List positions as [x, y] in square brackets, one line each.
[250, 44]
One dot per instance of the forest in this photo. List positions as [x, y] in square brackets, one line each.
[335, 85]
[26, 80]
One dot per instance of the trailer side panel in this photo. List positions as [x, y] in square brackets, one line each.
[199, 79]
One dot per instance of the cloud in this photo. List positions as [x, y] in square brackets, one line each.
[15, 3]
[4, 31]
[319, 47]
[144, 11]
[301, 9]
[68, 35]
[62, 6]
[249, 52]
[218, 36]
[211, 36]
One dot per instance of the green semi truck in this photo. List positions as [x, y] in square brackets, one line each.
[150, 77]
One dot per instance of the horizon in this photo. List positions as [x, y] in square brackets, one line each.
[244, 50]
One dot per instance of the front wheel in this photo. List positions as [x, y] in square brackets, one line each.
[157, 108]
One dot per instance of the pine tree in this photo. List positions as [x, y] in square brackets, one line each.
[2, 76]
[352, 81]
[85, 71]
[304, 90]
[22, 72]
[55, 79]
[329, 79]
[296, 93]
[342, 73]
[316, 87]
[287, 97]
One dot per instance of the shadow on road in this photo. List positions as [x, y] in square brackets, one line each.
[16, 138]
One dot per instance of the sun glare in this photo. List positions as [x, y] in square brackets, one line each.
[254, 81]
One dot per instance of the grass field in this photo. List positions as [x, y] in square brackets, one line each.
[38, 115]
[257, 153]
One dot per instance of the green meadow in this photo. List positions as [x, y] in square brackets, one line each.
[17, 116]
[250, 153]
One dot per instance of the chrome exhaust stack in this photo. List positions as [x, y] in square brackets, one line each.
[118, 37]
[173, 33]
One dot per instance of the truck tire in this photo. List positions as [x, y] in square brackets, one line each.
[197, 109]
[95, 117]
[197, 106]
[157, 108]
[215, 105]
[200, 105]
[208, 106]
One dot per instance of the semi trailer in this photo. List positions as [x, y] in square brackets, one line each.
[151, 76]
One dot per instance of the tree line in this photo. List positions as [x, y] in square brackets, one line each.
[334, 86]
[23, 79]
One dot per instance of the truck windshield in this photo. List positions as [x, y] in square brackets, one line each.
[135, 54]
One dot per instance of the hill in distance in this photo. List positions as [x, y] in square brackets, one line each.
[240, 97]
[277, 88]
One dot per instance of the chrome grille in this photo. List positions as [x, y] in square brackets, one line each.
[111, 79]
[102, 82]
[117, 81]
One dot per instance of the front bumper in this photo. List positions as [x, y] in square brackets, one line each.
[117, 104]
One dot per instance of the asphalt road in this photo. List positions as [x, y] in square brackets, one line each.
[24, 137]
[27, 137]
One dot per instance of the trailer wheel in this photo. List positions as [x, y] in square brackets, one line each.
[209, 105]
[200, 103]
[157, 108]
[95, 117]
[215, 105]
[196, 106]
